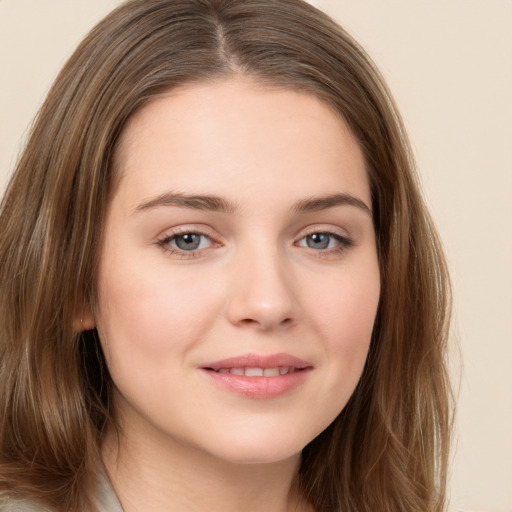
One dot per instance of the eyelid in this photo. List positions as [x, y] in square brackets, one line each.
[328, 230]
[163, 240]
[345, 240]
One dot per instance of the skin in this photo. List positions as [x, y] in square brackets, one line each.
[256, 284]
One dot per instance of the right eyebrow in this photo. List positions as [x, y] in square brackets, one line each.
[317, 203]
[192, 201]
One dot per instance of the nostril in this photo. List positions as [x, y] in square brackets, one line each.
[248, 321]
[265, 324]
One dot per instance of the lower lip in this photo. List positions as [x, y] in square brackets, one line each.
[259, 387]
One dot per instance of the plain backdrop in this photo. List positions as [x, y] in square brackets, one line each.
[449, 64]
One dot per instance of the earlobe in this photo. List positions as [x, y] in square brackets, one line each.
[84, 320]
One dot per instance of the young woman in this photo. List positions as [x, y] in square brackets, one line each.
[220, 287]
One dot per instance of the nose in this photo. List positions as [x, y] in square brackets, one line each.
[262, 292]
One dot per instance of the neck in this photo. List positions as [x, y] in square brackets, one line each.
[151, 474]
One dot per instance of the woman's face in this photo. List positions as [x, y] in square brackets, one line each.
[238, 280]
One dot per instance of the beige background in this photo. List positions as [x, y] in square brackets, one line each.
[449, 63]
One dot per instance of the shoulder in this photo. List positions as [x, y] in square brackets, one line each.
[9, 504]
[104, 498]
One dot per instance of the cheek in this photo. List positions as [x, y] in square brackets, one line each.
[152, 313]
[344, 315]
[347, 307]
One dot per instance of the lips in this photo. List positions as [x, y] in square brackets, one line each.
[280, 360]
[259, 376]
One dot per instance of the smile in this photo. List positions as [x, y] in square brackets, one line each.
[259, 372]
[258, 376]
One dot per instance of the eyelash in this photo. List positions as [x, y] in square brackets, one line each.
[166, 240]
[344, 243]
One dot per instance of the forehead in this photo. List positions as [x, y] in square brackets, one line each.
[235, 131]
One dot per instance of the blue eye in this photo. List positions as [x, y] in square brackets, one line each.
[324, 241]
[189, 241]
[318, 241]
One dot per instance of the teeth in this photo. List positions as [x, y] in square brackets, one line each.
[259, 372]
[254, 372]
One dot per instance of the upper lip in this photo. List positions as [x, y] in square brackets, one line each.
[258, 361]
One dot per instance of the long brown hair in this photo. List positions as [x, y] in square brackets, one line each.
[388, 448]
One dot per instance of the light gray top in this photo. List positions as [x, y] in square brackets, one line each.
[105, 500]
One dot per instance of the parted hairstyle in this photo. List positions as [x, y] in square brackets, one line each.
[387, 451]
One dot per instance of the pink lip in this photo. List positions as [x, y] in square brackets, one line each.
[258, 361]
[259, 387]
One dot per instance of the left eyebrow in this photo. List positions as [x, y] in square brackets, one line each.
[191, 201]
[314, 204]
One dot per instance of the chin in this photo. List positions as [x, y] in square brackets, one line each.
[259, 447]
[255, 455]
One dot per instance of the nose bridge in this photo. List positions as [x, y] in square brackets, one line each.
[262, 291]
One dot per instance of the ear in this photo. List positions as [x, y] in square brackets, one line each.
[84, 319]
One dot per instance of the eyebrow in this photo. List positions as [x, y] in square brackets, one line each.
[220, 204]
[191, 201]
[314, 204]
